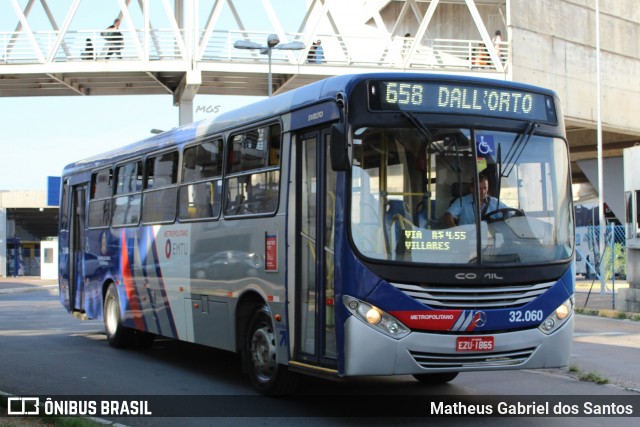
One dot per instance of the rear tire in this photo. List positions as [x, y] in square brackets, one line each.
[118, 335]
[437, 378]
[266, 374]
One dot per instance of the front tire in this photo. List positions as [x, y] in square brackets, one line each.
[266, 374]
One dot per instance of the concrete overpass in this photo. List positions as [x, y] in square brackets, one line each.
[185, 48]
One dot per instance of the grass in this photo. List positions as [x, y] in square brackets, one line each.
[591, 377]
[586, 311]
[621, 315]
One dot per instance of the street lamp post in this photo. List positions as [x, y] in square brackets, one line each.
[273, 42]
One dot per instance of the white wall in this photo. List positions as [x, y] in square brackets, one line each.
[553, 45]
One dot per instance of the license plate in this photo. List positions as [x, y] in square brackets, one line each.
[474, 344]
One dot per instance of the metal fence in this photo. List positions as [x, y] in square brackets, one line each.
[340, 50]
[600, 269]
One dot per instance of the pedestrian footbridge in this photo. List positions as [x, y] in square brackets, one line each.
[184, 48]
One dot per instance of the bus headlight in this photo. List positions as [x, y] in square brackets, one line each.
[557, 318]
[376, 318]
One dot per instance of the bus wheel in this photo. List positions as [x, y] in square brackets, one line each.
[118, 335]
[435, 379]
[267, 376]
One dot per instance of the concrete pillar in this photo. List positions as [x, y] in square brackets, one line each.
[185, 93]
[185, 111]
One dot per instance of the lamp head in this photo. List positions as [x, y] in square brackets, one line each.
[273, 40]
[246, 44]
[291, 46]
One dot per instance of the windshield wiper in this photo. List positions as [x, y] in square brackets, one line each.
[517, 148]
[429, 138]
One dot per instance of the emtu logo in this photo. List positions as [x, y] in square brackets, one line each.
[167, 249]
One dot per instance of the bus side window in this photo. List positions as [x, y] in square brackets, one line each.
[253, 184]
[159, 194]
[64, 206]
[200, 193]
[100, 198]
[126, 203]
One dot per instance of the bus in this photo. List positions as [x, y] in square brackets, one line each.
[305, 232]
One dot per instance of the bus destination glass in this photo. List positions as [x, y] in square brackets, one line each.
[458, 98]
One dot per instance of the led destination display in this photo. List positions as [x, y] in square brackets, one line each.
[461, 99]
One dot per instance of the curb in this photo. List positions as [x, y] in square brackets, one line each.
[29, 289]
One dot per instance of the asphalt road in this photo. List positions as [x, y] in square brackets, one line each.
[609, 347]
[44, 351]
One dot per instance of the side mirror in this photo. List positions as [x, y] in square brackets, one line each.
[339, 154]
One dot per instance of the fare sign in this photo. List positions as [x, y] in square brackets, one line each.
[271, 252]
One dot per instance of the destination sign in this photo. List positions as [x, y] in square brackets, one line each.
[432, 97]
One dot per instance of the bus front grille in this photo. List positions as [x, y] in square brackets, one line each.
[472, 360]
[478, 297]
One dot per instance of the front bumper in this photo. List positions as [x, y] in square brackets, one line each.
[368, 352]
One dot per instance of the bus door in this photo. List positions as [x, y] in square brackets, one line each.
[77, 245]
[315, 342]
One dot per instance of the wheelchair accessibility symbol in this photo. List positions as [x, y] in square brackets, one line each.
[484, 145]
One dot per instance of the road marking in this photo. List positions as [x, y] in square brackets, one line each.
[603, 334]
[31, 289]
[610, 338]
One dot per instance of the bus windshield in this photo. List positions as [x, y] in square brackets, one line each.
[414, 193]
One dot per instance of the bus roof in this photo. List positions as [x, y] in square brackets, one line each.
[289, 101]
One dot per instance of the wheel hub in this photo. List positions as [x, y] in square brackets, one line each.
[263, 353]
[112, 317]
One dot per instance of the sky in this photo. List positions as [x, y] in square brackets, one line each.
[40, 135]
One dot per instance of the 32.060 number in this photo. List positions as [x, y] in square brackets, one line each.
[526, 316]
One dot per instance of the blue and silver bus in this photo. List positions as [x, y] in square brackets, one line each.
[306, 233]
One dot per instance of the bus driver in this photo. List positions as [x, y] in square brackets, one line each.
[462, 210]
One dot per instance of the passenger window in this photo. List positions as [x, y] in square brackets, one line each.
[254, 172]
[200, 201]
[162, 170]
[129, 178]
[126, 204]
[255, 193]
[100, 198]
[160, 193]
[101, 184]
[202, 161]
[200, 195]
[64, 206]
